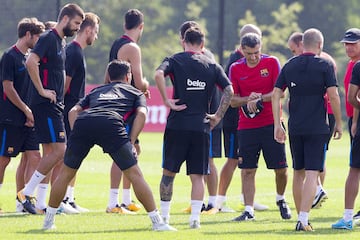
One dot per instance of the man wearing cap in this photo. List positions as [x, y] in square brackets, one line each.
[253, 78]
[351, 42]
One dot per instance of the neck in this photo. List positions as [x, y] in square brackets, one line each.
[21, 45]
[193, 48]
[81, 39]
[59, 30]
[132, 34]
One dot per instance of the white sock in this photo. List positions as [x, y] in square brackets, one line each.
[348, 214]
[249, 209]
[41, 195]
[318, 188]
[155, 217]
[113, 197]
[70, 194]
[195, 210]
[279, 197]
[212, 200]
[303, 217]
[220, 199]
[50, 214]
[126, 197]
[165, 208]
[35, 179]
[0, 185]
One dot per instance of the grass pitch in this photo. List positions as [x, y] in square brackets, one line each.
[92, 190]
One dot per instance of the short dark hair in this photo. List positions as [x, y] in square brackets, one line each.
[185, 26]
[194, 36]
[91, 19]
[118, 69]
[71, 10]
[32, 25]
[296, 38]
[250, 40]
[133, 18]
[50, 25]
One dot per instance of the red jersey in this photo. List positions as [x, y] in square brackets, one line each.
[347, 78]
[260, 79]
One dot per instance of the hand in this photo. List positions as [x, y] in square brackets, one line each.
[254, 96]
[137, 148]
[213, 119]
[353, 129]
[147, 94]
[251, 105]
[50, 94]
[279, 134]
[29, 117]
[171, 103]
[338, 131]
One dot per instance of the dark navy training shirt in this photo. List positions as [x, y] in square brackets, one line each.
[307, 77]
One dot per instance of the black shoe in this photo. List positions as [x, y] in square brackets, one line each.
[300, 227]
[285, 211]
[319, 199]
[209, 206]
[27, 202]
[245, 216]
[203, 207]
[357, 215]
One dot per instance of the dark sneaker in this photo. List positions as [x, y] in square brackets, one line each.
[301, 227]
[319, 199]
[284, 209]
[210, 210]
[27, 202]
[245, 216]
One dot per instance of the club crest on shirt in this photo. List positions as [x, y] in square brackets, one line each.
[264, 72]
[62, 135]
[10, 150]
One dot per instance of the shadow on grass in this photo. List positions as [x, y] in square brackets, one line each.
[59, 232]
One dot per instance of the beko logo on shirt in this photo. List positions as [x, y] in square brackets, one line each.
[195, 85]
[108, 96]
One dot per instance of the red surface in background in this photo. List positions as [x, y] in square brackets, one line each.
[157, 111]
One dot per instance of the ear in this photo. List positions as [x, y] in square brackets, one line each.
[141, 26]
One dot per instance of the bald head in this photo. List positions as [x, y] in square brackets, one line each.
[250, 28]
[313, 40]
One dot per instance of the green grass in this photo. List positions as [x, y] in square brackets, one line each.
[92, 192]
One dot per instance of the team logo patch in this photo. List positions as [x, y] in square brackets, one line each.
[264, 72]
[10, 150]
[62, 135]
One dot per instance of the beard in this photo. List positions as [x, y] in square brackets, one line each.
[68, 32]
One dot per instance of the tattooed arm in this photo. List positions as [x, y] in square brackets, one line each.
[228, 92]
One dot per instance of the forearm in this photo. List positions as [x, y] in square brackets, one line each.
[73, 113]
[14, 97]
[275, 102]
[138, 125]
[160, 83]
[226, 99]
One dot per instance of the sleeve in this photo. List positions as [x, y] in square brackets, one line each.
[72, 61]
[140, 101]
[42, 45]
[7, 68]
[85, 102]
[222, 80]
[166, 66]
[355, 76]
[232, 76]
[276, 69]
[281, 80]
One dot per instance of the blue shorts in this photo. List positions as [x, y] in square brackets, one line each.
[49, 123]
[253, 141]
[106, 133]
[189, 146]
[308, 151]
[230, 143]
[215, 143]
[15, 139]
